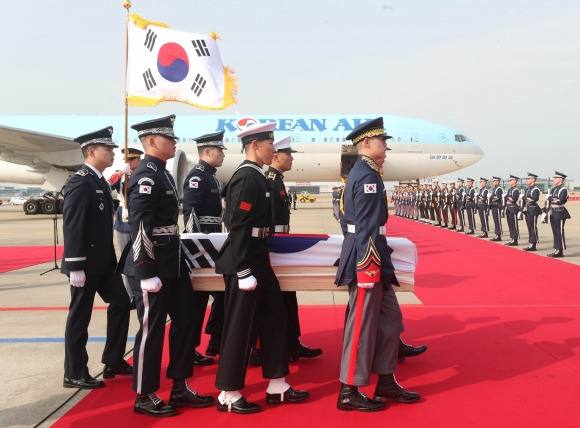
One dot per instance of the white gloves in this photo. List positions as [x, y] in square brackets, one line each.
[152, 285]
[366, 284]
[247, 284]
[126, 168]
[125, 214]
[77, 278]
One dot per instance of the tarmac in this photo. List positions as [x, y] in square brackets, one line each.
[34, 305]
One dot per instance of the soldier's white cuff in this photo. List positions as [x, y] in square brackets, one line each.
[245, 273]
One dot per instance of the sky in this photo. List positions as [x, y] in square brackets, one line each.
[506, 73]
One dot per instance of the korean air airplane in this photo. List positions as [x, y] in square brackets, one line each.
[40, 149]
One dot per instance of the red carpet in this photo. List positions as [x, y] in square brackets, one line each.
[12, 258]
[504, 350]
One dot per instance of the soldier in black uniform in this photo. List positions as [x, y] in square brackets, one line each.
[512, 209]
[532, 211]
[253, 293]
[557, 199]
[451, 198]
[483, 207]
[374, 321]
[459, 204]
[202, 213]
[496, 202]
[159, 277]
[470, 206]
[281, 163]
[89, 261]
[443, 199]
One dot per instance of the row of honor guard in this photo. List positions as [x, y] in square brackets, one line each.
[449, 205]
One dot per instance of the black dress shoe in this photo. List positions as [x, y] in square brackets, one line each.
[303, 351]
[406, 350]
[452, 228]
[133, 304]
[483, 235]
[190, 398]
[350, 398]
[121, 369]
[470, 232]
[242, 407]
[152, 405]
[200, 360]
[290, 396]
[213, 347]
[389, 389]
[460, 229]
[496, 238]
[531, 247]
[87, 383]
[512, 243]
[556, 253]
[255, 358]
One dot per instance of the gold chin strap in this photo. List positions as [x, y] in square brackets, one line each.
[341, 205]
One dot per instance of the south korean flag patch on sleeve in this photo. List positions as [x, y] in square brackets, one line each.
[145, 189]
[371, 188]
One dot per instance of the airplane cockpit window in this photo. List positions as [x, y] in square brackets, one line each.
[461, 138]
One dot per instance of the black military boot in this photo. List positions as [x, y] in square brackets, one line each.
[388, 388]
[496, 238]
[183, 395]
[406, 350]
[531, 247]
[556, 253]
[152, 405]
[213, 347]
[483, 235]
[512, 243]
[350, 398]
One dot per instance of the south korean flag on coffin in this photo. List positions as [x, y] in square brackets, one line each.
[169, 65]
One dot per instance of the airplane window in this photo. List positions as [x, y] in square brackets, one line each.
[325, 139]
[461, 138]
[313, 139]
[332, 139]
[399, 139]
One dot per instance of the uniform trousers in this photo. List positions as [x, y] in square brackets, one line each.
[177, 299]
[512, 221]
[471, 217]
[460, 215]
[264, 307]
[532, 224]
[496, 215]
[293, 328]
[483, 217]
[110, 288]
[371, 334]
[123, 238]
[558, 232]
[215, 321]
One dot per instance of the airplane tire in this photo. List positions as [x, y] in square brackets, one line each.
[31, 207]
[48, 206]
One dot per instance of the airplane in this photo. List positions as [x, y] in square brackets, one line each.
[40, 149]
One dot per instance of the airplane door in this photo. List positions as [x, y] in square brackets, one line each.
[415, 140]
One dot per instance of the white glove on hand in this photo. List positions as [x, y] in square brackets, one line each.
[152, 285]
[126, 168]
[125, 214]
[247, 284]
[366, 284]
[77, 278]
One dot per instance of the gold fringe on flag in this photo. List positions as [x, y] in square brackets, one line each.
[143, 23]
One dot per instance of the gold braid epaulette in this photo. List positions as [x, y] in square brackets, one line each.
[370, 162]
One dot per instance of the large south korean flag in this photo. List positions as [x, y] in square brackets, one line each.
[169, 65]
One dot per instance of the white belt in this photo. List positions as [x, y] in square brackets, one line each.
[351, 228]
[259, 232]
[166, 230]
[207, 219]
[282, 228]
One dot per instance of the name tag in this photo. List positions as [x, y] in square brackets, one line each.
[99, 191]
[169, 192]
[215, 190]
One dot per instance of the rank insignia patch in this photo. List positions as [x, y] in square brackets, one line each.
[101, 206]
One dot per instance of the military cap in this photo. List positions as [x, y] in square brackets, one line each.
[101, 137]
[460, 180]
[283, 145]
[132, 153]
[494, 178]
[470, 179]
[483, 179]
[372, 128]
[559, 175]
[530, 175]
[513, 177]
[259, 132]
[435, 180]
[444, 182]
[215, 139]
[162, 126]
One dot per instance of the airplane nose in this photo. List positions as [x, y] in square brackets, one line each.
[478, 153]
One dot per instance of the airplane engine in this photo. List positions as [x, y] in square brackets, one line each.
[178, 167]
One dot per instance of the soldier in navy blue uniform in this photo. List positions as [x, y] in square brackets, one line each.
[253, 295]
[496, 202]
[557, 199]
[89, 261]
[459, 204]
[483, 207]
[119, 182]
[202, 213]
[469, 197]
[159, 277]
[374, 321]
[532, 211]
[512, 209]
[451, 203]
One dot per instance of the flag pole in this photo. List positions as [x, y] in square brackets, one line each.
[127, 6]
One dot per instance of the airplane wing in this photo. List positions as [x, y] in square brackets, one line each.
[36, 149]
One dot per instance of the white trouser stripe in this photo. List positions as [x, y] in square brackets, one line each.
[145, 331]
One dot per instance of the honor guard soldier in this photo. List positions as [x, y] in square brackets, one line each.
[119, 182]
[496, 202]
[436, 202]
[444, 206]
[159, 277]
[483, 207]
[253, 295]
[451, 198]
[532, 211]
[557, 199]
[512, 209]
[89, 261]
[373, 323]
[202, 213]
[470, 206]
[281, 163]
[459, 204]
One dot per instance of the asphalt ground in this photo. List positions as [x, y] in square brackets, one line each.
[31, 339]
